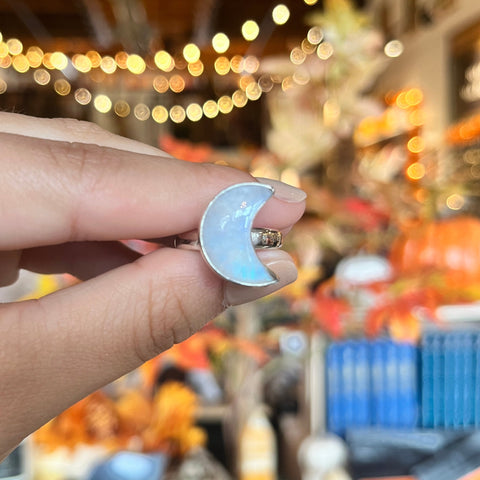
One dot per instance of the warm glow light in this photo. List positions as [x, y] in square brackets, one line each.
[287, 83]
[414, 97]
[177, 83]
[194, 112]
[301, 77]
[3, 86]
[122, 108]
[191, 53]
[136, 64]
[266, 83]
[160, 114]
[291, 177]
[3, 50]
[225, 104]
[164, 61]
[250, 30]
[315, 35]
[62, 87]
[177, 114]
[416, 144]
[253, 91]
[108, 64]
[245, 81]
[82, 63]
[160, 84]
[95, 58]
[236, 64]
[15, 46]
[281, 14]
[102, 103]
[416, 171]
[297, 56]
[393, 49]
[416, 117]
[34, 56]
[83, 96]
[59, 60]
[239, 98]
[195, 68]
[46, 61]
[121, 59]
[325, 50]
[210, 109]
[310, 2]
[308, 47]
[180, 62]
[222, 65]
[401, 101]
[141, 112]
[220, 42]
[41, 76]
[455, 201]
[1, 37]
[5, 62]
[20, 63]
[251, 64]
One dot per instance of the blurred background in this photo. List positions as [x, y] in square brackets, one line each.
[367, 366]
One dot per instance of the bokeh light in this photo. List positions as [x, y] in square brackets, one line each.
[239, 98]
[164, 61]
[15, 46]
[191, 52]
[416, 144]
[393, 49]
[160, 114]
[220, 42]
[108, 64]
[62, 87]
[136, 64]
[222, 65]
[160, 84]
[196, 68]
[210, 109]
[102, 103]
[281, 14]
[83, 96]
[455, 201]
[177, 83]
[122, 108]
[177, 114]
[194, 112]
[416, 171]
[82, 63]
[225, 104]
[315, 35]
[41, 76]
[141, 112]
[325, 50]
[250, 30]
[20, 63]
[59, 60]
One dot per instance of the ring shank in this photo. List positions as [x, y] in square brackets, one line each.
[261, 238]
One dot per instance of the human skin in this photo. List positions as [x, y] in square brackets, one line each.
[69, 191]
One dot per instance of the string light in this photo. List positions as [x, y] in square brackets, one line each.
[15, 46]
[102, 103]
[220, 42]
[239, 98]
[59, 60]
[253, 91]
[20, 63]
[82, 96]
[135, 64]
[34, 56]
[160, 84]
[122, 108]
[222, 65]
[41, 76]
[160, 114]
[62, 87]
[108, 64]
[141, 112]
[250, 30]
[195, 68]
[191, 53]
[325, 50]
[194, 112]
[82, 63]
[225, 104]
[315, 35]
[177, 114]
[210, 109]
[281, 14]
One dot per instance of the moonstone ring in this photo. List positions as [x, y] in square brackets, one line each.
[227, 240]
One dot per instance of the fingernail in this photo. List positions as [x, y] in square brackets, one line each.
[283, 191]
[276, 260]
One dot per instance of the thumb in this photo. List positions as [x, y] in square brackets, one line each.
[56, 350]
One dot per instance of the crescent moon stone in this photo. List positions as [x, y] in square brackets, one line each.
[225, 234]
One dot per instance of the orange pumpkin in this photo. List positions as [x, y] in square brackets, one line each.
[451, 246]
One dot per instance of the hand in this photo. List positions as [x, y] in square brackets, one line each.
[68, 192]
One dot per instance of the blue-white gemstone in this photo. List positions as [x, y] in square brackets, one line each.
[225, 234]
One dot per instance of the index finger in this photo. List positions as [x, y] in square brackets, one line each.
[58, 191]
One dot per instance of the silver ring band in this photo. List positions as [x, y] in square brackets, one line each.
[261, 238]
